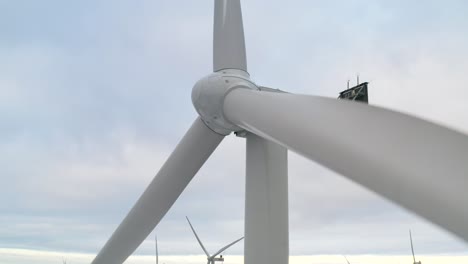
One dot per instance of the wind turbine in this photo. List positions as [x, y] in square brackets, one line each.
[212, 258]
[412, 249]
[399, 153]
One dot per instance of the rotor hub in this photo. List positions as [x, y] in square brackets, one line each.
[208, 97]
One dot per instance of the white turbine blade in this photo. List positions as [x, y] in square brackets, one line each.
[346, 259]
[417, 164]
[189, 155]
[226, 247]
[228, 36]
[198, 239]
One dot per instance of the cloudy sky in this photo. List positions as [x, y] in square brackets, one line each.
[94, 95]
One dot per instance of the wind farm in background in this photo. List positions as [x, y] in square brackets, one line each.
[211, 259]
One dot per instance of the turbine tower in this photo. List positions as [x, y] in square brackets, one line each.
[212, 258]
[400, 152]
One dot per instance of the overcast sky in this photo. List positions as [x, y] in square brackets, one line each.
[94, 95]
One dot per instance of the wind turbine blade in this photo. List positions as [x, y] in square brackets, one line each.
[189, 155]
[346, 259]
[198, 239]
[412, 249]
[228, 36]
[415, 163]
[226, 247]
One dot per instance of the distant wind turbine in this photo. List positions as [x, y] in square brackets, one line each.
[156, 240]
[412, 249]
[211, 259]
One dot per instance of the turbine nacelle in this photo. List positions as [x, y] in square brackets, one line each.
[213, 259]
[208, 97]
